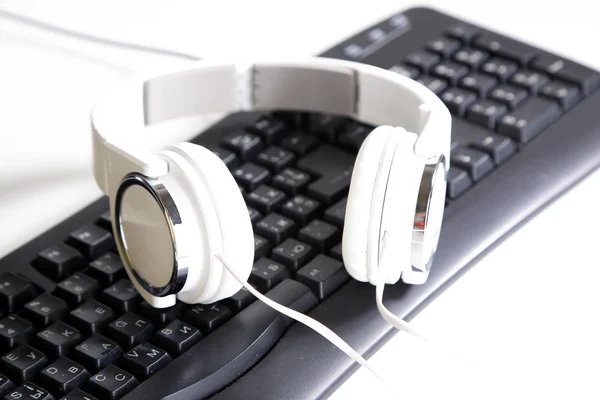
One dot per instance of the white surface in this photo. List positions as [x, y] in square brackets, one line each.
[525, 315]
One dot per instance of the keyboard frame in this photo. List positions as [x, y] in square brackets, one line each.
[303, 365]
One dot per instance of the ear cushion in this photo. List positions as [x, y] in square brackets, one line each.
[365, 187]
[236, 238]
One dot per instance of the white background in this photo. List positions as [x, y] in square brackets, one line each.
[524, 318]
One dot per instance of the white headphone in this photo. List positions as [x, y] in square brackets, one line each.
[178, 210]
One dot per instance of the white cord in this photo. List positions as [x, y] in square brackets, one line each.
[94, 39]
[309, 322]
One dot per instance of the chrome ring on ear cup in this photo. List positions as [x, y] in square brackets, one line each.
[172, 221]
[428, 214]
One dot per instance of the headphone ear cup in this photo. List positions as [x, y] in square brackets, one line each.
[358, 219]
[235, 238]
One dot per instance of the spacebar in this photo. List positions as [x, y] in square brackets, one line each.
[227, 353]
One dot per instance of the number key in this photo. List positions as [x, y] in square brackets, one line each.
[471, 57]
[500, 148]
[423, 60]
[250, 175]
[59, 261]
[501, 69]
[450, 71]
[478, 164]
[106, 269]
[480, 84]
[44, 310]
[509, 95]
[266, 199]
[77, 288]
[485, 113]
[92, 241]
[443, 46]
[530, 80]
[14, 292]
[301, 208]
[275, 228]
[567, 95]
[275, 158]
[457, 100]
[291, 180]
[293, 254]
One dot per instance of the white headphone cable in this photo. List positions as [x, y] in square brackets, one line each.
[309, 322]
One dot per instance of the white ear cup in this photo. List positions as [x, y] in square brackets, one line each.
[234, 238]
[358, 219]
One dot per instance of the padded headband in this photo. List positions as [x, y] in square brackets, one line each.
[365, 93]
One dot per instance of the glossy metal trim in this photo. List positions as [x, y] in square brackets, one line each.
[425, 234]
[162, 196]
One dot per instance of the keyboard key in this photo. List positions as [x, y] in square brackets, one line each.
[535, 115]
[254, 215]
[29, 391]
[246, 145]
[270, 129]
[44, 310]
[111, 383]
[530, 80]
[436, 85]
[320, 235]
[77, 288]
[275, 227]
[509, 95]
[121, 297]
[91, 241]
[78, 394]
[14, 292]
[354, 136]
[62, 376]
[323, 275]
[104, 221]
[485, 112]
[326, 126]
[500, 68]
[500, 148]
[266, 274]
[177, 337]
[57, 340]
[96, 353]
[336, 213]
[473, 58]
[405, 70]
[90, 317]
[480, 84]
[144, 360]
[240, 300]
[59, 261]
[422, 59]
[293, 254]
[262, 247]
[161, 316]
[458, 100]
[106, 269]
[14, 331]
[6, 385]
[511, 49]
[129, 330]
[275, 158]
[567, 95]
[476, 163]
[266, 199]
[300, 143]
[291, 181]
[229, 158]
[462, 32]
[336, 252]
[250, 176]
[586, 78]
[458, 181]
[301, 208]
[450, 71]
[23, 363]
[443, 46]
[207, 317]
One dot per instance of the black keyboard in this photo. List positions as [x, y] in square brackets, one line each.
[524, 130]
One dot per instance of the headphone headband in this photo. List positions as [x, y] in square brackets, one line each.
[359, 91]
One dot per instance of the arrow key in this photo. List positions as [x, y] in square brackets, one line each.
[476, 163]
